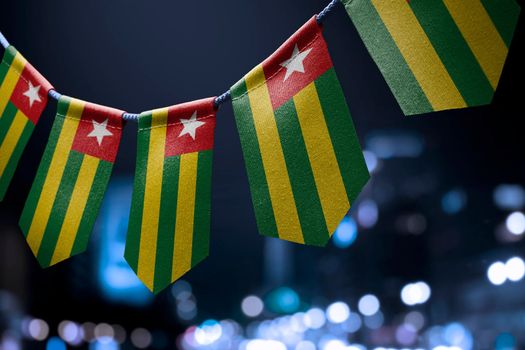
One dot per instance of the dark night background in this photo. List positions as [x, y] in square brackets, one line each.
[437, 218]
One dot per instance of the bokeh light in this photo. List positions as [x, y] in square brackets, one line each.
[338, 312]
[345, 234]
[252, 306]
[516, 223]
[368, 305]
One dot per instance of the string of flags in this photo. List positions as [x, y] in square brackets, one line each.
[302, 155]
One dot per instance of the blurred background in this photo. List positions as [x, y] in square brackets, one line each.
[430, 257]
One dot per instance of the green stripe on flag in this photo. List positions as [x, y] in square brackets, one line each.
[301, 175]
[504, 15]
[139, 186]
[7, 119]
[93, 203]
[9, 56]
[9, 171]
[167, 218]
[40, 178]
[342, 132]
[59, 210]
[453, 51]
[383, 49]
[253, 160]
[201, 222]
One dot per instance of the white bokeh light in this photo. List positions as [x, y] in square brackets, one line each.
[516, 223]
[368, 305]
[252, 306]
[497, 273]
[338, 312]
[515, 269]
[314, 318]
[415, 293]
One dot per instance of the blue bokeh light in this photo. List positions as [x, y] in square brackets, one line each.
[345, 234]
[55, 343]
[454, 201]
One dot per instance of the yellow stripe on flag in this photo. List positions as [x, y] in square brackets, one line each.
[182, 249]
[54, 175]
[279, 186]
[327, 175]
[419, 54]
[75, 210]
[481, 35]
[152, 195]
[11, 139]
[10, 80]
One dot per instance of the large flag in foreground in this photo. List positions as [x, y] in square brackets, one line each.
[23, 97]
[303, 158]
[169, 224]
[71, 180]
[437, 54]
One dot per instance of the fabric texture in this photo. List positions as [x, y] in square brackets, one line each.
[64, 200]
[23, 97]
[169, 225]
[304, 162]
[437, 54]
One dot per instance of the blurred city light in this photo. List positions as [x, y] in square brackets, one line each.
[252, 306]
[513, 270]
[509, 197]
[497, 273]
[305, 345]
[261, 344]
[516, 223]
[141, 338]
[368, 305]
[371, 160]
[375, 321]
[455, 334]
[367, 213]
[416, 319]
[454, 201]
[334, 344]
[283, 300]
[353, 323]
[104, 333]
[55, 343]
[38, 329]
[395, 144]
[406, 334]
[415, 293]
[337, 312]
[346, 233]
[208, 332]
[70, 332]
[314, 318]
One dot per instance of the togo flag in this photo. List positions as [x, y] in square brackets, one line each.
[437, 54]
[169, 224]
[23, 97]
[71, 180]
[304, 162]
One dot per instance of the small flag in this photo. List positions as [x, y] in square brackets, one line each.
[71, 180]
[304, 162]
[437, 54]
[169, 224]
[23, 97]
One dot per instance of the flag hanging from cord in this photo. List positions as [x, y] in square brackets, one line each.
[169, 225]
[71, 180]
[302, 155]
[437, 54]
[23, 97]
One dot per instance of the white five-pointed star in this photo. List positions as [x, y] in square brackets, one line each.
[32, 94]
[191, 125]
[295, 63]
[100, 131]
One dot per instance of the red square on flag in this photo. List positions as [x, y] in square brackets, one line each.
[299, 61]
[99, 131]
[190, 127]
[30, 93]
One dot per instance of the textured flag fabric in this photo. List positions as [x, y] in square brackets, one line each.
[71, 180]
[304, 162]
[437, 54]
[169, 224]
[23, 97]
